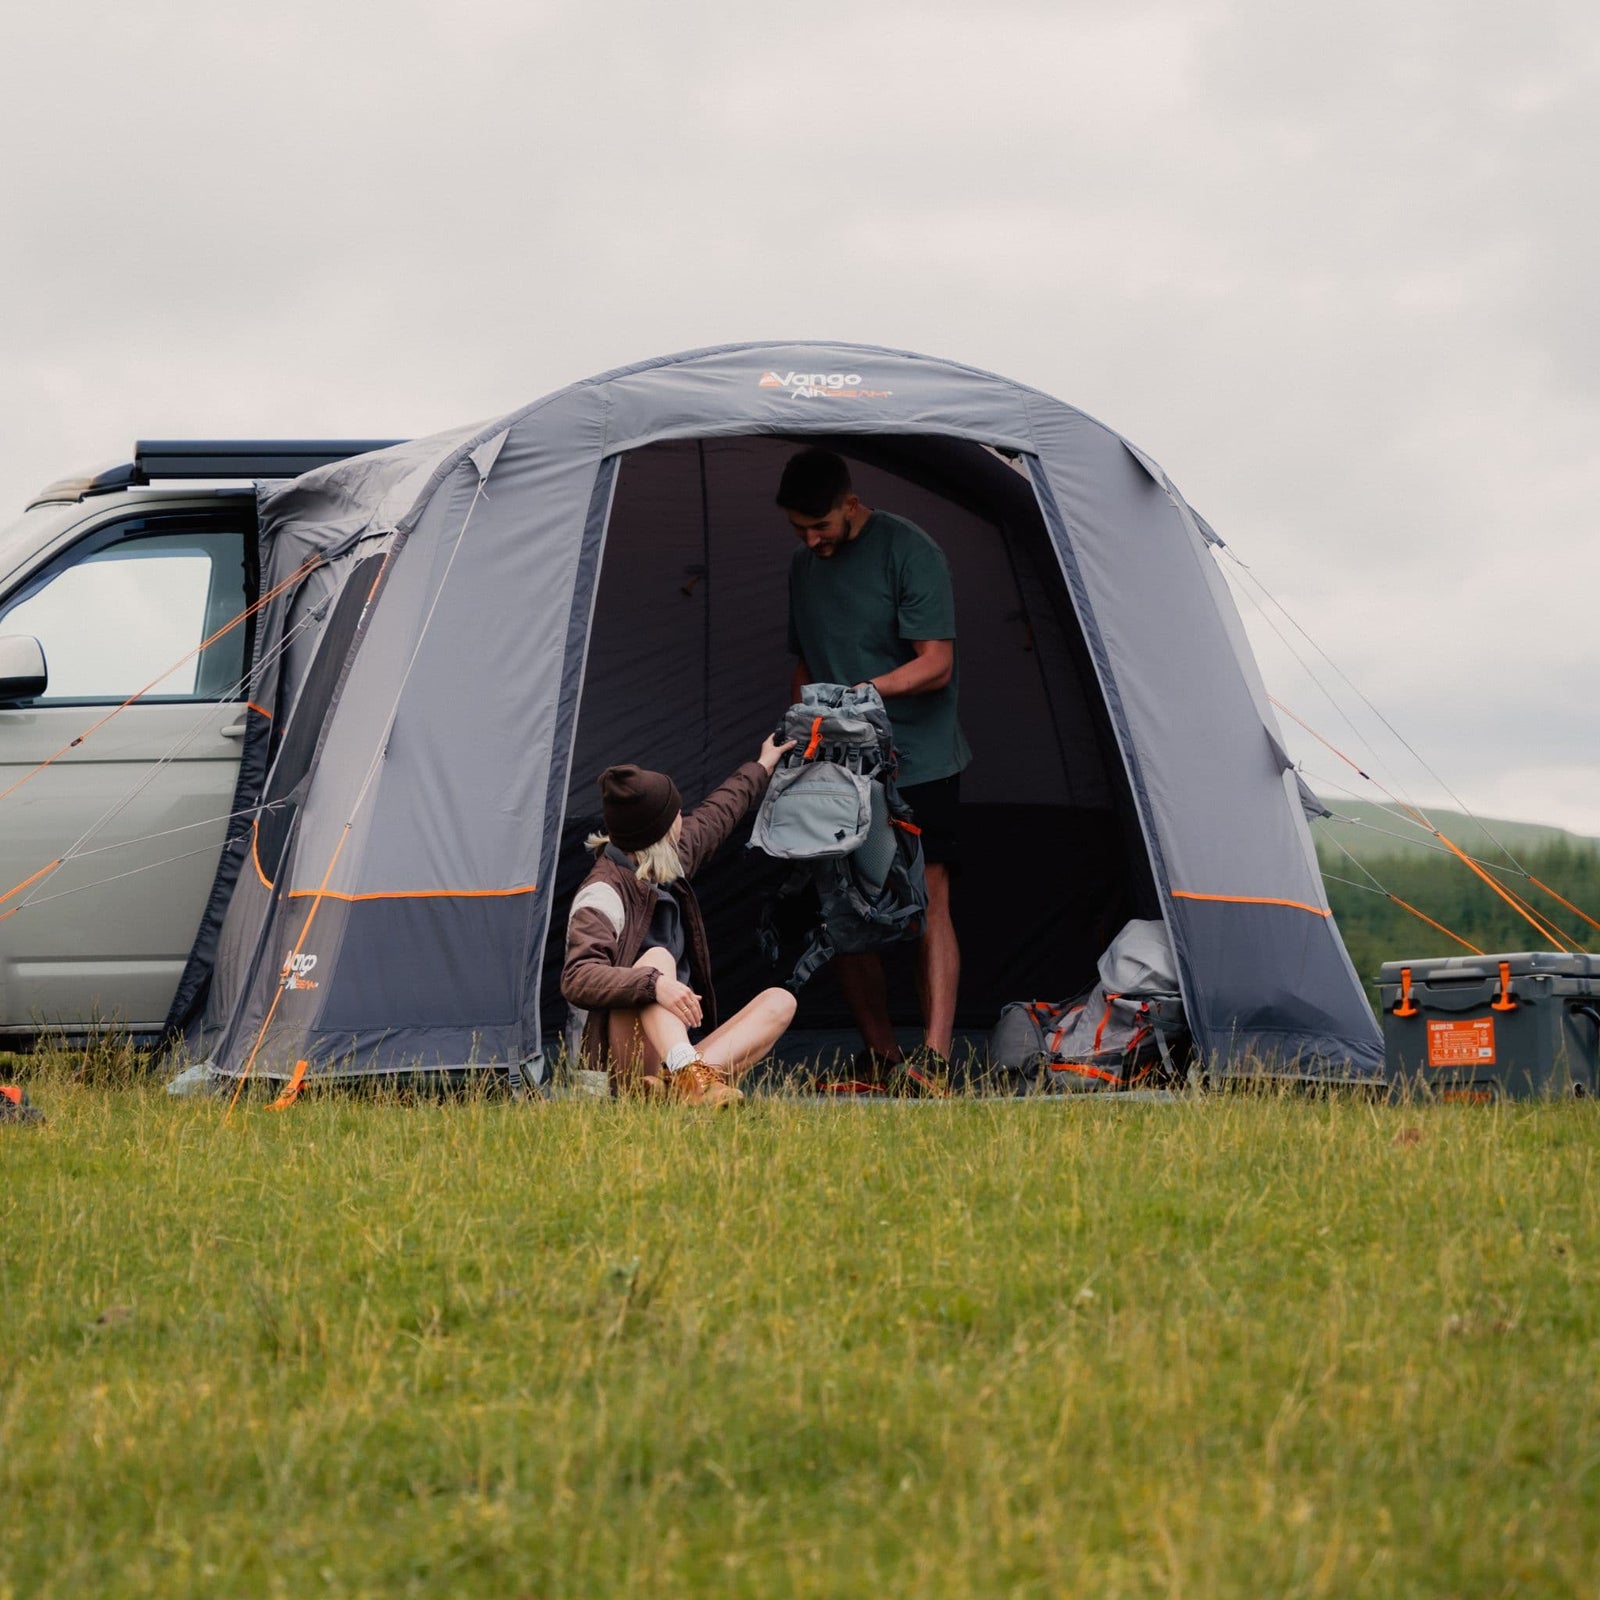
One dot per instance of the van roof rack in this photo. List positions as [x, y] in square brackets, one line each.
[155, 459]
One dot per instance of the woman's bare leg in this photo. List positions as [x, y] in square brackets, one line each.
[642, 1037]
[749, 1034]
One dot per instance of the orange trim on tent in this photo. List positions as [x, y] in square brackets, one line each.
[250, 705]
[1251, 900]
[415, 894]
[255, 858]
[272, 1010]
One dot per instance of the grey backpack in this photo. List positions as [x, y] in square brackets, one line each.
[1128, 1029]
[833, 809]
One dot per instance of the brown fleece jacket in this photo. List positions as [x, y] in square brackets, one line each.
[611, 913]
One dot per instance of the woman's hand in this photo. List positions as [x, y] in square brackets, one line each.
[679, 999]
[772, 752]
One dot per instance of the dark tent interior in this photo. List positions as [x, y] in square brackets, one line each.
[688, 668]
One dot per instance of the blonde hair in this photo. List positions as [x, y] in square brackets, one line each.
[656, 863]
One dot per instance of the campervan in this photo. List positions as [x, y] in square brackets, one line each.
[124, 595]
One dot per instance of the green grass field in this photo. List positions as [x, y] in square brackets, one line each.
[1245, 1345]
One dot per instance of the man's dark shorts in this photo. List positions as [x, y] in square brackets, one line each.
[936, 809]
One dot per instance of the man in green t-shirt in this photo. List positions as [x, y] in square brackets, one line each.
[870, 602]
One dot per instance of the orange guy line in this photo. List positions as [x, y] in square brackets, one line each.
[205, 644]
[272, 1010]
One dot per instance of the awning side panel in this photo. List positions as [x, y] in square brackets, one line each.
[1218, 816]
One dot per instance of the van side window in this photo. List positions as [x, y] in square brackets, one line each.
[136, 611]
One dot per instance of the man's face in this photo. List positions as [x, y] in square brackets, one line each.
[822, 536]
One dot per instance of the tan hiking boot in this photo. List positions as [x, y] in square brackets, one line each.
[699, 1084]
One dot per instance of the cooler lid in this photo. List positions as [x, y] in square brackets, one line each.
[1522, 964]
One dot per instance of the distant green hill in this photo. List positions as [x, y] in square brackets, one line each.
[1377, 929]
[1370, 835]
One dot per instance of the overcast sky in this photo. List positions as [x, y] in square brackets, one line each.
[1333, 266]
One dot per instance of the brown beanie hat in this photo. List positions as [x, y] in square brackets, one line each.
[639, 806]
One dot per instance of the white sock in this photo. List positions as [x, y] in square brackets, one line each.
[680, 1055]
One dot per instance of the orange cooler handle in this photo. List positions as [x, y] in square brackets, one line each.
[1406, 1007]
[1503, 1001]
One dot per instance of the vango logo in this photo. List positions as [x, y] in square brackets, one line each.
[297, 969]
[822, 385]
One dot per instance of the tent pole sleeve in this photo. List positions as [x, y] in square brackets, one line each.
[580, 622]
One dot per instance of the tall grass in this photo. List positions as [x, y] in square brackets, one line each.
[1240, 1345]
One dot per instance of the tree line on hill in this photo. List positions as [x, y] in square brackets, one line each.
[1376, 930]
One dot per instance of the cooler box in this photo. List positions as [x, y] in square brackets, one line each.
[1478, 1027]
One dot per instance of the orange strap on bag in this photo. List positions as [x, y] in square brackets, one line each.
[1083, 1070]
[1099, 1032]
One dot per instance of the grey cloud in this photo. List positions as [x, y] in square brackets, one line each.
[1331, 266]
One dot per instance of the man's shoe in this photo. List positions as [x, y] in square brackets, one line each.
[866, 1072]
[922, 1075]
[699, 1084]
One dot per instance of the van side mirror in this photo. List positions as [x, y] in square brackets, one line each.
[22, 669]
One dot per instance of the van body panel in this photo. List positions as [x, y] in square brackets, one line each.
[103, 939]
[140, 806]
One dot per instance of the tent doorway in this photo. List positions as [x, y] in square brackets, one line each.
[688, 665]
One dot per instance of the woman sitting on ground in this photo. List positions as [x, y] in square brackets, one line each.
[637, 959]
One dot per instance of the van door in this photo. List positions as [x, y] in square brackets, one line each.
[135, 815]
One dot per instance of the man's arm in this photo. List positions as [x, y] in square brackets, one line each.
[924, 617]
[927, 670]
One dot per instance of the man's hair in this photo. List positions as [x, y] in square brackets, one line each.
[813, 482]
